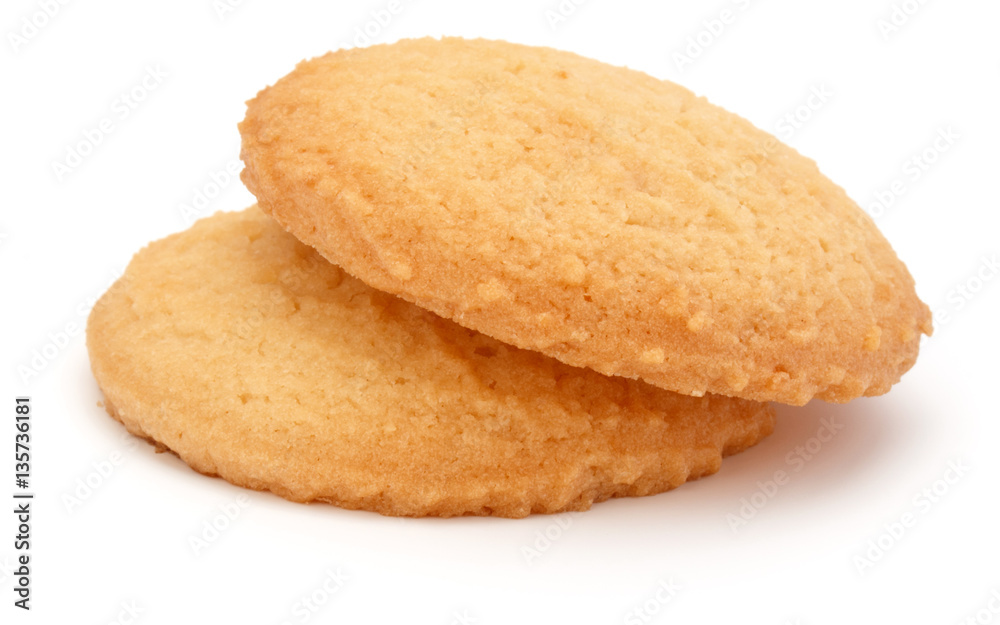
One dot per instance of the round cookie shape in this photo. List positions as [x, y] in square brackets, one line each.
[252, 358]
[593, 213]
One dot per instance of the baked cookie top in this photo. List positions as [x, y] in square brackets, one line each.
[592, 213]
[253, 358]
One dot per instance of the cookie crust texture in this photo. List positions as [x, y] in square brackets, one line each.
[252, 358]
[593, 213]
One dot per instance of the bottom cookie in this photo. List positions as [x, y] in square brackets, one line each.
[252, 358]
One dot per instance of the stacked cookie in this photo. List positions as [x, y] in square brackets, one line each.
[485, 278]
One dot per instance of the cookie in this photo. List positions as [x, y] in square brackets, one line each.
[589, 212]
[253, 358]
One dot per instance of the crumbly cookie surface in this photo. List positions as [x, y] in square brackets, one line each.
[593, 213]
[253, 358]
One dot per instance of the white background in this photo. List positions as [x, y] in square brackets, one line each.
[796, 557]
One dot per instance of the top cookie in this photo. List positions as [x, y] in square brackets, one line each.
[589, 212]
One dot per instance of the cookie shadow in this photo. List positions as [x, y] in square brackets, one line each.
[816, 454]
[827, 446]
